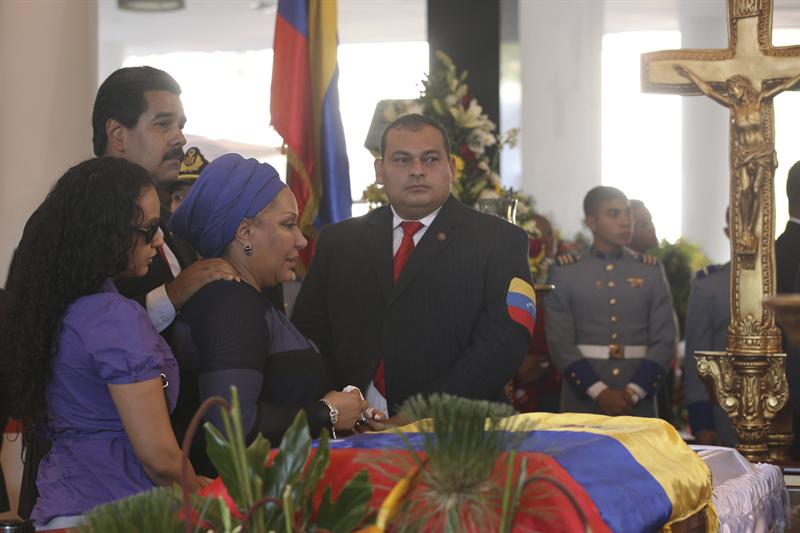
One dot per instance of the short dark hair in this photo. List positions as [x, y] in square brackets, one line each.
[599, 195]
[122, 98]
[793, 186]
[414, 122]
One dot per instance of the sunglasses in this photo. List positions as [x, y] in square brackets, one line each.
[149, 231]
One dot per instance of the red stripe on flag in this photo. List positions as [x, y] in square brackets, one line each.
[522, 317]
[542, 507]
[290, 104]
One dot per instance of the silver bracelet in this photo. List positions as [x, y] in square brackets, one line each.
[334, 414]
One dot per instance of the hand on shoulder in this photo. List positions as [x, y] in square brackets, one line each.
[197, 276]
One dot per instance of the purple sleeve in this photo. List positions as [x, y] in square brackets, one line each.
[123, 345]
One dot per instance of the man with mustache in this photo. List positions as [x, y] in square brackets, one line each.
[609, 321]
[138, 116]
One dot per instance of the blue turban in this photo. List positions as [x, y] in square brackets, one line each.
[230, 189]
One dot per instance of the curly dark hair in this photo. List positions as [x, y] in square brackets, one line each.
[78, 237]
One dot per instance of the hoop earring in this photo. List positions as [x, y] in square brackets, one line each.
[248, 249]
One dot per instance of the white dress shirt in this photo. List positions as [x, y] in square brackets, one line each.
[159, 307]
[375, 398]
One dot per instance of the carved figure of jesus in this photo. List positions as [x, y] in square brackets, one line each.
[754, 157]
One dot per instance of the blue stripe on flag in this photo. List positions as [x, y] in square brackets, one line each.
[521, 301]
[336, 198]
[295, 12]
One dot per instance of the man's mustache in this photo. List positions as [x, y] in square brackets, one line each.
[175, 153]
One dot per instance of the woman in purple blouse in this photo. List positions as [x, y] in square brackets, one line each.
[87, 366]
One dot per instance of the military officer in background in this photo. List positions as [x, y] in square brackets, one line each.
[609, 320]
[707, 320]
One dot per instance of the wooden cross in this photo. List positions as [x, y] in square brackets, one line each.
[743, 77]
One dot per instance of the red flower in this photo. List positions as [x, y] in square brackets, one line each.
[465, 100]
[535, 247]
[465, 153]
[217, 489]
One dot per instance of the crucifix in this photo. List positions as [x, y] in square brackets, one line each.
[748, 379]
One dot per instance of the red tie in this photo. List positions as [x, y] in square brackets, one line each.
[400, 258]
[406, 246]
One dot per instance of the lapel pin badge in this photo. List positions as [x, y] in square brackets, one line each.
[441, 236]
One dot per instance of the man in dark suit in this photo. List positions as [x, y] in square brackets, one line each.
[455, 318]
[787, 246]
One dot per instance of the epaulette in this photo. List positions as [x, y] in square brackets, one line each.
[649, 260]
[568, 258]
[707, 271]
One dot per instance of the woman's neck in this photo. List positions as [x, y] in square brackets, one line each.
[245, 273]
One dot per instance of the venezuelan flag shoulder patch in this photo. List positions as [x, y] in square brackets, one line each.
[521, 303]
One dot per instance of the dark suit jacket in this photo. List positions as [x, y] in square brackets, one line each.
[787, 257]
[443, 328]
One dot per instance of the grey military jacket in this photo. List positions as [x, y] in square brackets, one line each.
[707, 320]
[616, 301]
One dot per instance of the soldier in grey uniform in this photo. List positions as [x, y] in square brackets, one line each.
[609, 320]
[707, 319]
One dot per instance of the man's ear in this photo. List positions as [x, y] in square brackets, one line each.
[115, 133]
[591, 222]
[378, 170]
[451, 161]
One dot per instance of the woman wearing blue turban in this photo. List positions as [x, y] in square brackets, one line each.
[229, 333]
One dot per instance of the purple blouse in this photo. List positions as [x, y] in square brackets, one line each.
[106, 339]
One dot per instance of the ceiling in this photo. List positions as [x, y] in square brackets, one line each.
[209, 25]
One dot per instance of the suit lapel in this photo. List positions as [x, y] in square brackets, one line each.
[182, 251]
[442, 232]
[378, 236]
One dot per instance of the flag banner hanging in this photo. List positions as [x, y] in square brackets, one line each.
[304, 110]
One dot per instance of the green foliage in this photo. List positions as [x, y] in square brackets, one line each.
[281, 494]
[290, 481]
[681, 260]
[461, 485]
[347, 512]
[152, 510]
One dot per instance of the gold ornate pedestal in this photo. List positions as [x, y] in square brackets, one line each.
[752, 390]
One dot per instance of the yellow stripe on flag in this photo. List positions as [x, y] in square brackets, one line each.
[521, 286]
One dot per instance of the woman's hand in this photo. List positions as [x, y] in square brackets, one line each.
[350, 406]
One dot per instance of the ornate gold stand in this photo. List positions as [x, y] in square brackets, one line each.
[752, 390]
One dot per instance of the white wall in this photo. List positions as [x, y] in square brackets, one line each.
[48, 65]
[561, 139]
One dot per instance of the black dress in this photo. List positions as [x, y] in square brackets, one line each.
[230, 334]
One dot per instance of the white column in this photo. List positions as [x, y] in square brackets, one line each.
[48, 79]
[561, 51]
[706, 174]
